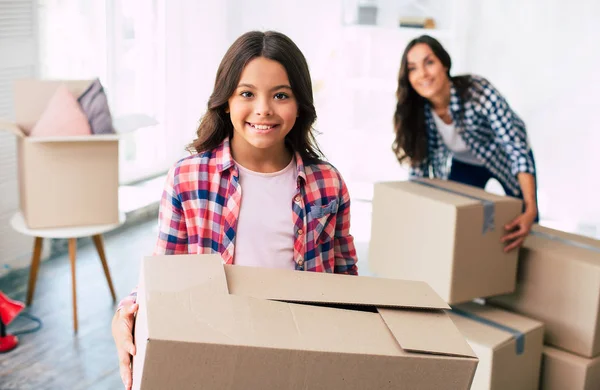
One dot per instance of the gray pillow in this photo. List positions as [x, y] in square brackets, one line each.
[95, 105]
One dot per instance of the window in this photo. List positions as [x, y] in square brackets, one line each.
[123, 43]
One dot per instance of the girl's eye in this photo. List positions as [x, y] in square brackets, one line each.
[281, 96]
[429, 62]
[246, 94]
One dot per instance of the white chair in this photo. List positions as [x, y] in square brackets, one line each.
[71, 233]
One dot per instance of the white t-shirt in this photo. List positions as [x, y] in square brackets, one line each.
[265, 228]
[455, 142]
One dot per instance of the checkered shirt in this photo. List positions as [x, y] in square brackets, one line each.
[200, 207]
[490, 128]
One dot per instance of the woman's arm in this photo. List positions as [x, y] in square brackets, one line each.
[528, 188]
[519, 228]
[509, 129]
[511, 133]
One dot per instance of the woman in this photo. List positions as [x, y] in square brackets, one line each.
[462, 129]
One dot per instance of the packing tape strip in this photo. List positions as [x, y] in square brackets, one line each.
[517, 334]
[565, 241]
[489, 208]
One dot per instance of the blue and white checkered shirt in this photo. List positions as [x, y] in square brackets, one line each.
[492, 131]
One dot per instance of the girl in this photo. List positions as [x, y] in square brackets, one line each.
[462, 129]
[255, 190]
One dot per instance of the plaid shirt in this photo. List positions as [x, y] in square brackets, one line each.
[200, 207]
[492, 131]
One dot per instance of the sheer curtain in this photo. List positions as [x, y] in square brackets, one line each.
[123, 42]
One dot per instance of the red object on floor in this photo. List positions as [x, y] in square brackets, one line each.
[8, 343]
[9, 310]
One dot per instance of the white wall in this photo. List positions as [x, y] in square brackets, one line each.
[354, 71]
[543, 56]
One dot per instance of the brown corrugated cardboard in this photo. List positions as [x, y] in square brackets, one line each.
[564, 371]
[205, 325]
[424, 233]
[559, 284]
[504, 362]
[63, 181]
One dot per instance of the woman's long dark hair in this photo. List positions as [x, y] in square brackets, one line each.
[215, 125]
[409, 119]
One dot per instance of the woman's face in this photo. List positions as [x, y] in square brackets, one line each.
[426, 73]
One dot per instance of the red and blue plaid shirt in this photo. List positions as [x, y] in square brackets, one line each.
[200, 207]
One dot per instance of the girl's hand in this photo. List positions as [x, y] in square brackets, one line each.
[122, 331]
[518, 229]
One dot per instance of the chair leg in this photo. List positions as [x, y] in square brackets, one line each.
[33, 271]
[72, 257]
[100, 248]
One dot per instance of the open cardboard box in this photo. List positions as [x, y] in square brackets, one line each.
[202, 324]
[63, 181]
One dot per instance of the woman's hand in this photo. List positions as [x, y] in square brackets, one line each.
[122, 330]
[518, 229]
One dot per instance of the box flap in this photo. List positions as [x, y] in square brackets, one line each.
[32, 97]
[203, 272]
[11, 127]
[426, 332]
[76, 138]
[290, 286]
[237, 320]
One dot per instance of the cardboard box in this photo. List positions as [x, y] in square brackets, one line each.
[446, 234]
[508, 345]
[63, 181]
[205, 325]
[564, 371]
[559, 284]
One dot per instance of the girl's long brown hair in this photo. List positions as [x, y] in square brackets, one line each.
[409, 119]
[215, 125]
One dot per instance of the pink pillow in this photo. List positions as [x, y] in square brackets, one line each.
[62, 116]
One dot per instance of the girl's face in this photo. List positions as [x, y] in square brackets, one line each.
[263, 108]
[426, 73]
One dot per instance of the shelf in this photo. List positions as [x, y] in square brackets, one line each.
[411, 32]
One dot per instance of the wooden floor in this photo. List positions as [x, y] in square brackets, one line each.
[54, 357]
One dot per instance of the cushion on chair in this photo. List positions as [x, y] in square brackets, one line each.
[62, 116]
[95, 105]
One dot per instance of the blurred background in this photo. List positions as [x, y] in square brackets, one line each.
[160, 58]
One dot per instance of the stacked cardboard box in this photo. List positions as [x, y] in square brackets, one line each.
[559, 284]
[508, 345]
[449, 235]
[446, 234]
[563, 370]
[205, 325]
